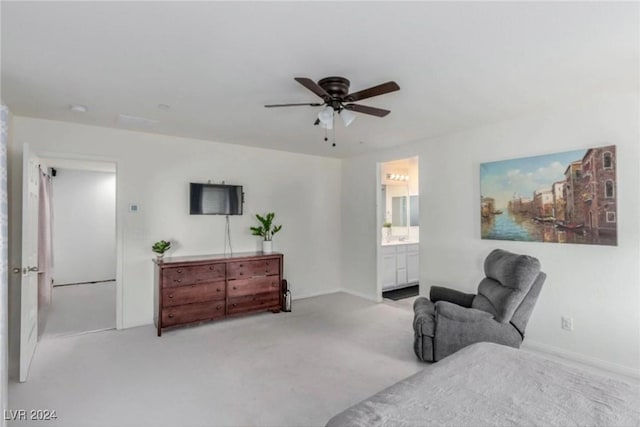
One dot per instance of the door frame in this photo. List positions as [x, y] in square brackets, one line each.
[379, 222]
[380, 219]
[75, 158]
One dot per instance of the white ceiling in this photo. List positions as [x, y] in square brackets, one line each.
[459, 65]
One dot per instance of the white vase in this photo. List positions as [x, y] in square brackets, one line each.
[267, 246]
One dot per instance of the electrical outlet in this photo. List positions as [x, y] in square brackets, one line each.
[567, 323]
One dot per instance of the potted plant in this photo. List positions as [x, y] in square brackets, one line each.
[266, 230]
[387, 230]
[160, 247]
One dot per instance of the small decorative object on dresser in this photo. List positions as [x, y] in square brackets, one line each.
[160, 247]
[266, 230]
[198, 288]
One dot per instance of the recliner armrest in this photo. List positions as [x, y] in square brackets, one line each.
[461, 314]
[440, 293]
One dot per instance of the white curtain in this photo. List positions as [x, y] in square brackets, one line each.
[45, 246]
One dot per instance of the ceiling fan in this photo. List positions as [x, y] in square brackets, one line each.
[334, 91]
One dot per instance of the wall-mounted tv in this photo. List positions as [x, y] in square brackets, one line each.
[215, 199]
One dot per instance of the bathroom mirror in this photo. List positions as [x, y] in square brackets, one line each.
[399, 211]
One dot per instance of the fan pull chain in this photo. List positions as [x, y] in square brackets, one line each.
[334, 135]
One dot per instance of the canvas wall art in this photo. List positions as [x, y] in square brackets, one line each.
[568, 197]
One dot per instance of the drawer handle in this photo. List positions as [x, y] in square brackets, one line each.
[177, 280]
[170, 295]
[179, 270]
[241, 273]
[170, 316]
[235, 305]
[218, 307]
[234, 287]
[218, 289]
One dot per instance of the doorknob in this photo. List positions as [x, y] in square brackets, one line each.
[33, 269]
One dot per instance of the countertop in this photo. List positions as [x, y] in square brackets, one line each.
[399, 242]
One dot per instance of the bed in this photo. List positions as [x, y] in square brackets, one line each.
[488, 384]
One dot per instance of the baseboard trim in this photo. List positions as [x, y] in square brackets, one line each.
[335, 291]
[586, 360]
[360, 295]
[83, 283]
[316, 294]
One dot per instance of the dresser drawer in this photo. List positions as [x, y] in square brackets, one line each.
[243, 269]
[179, 276]
[254, 285]
[192, 293]
[253, 302]
[192, 312]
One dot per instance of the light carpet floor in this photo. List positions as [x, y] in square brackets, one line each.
[285, 369]
[81, 308]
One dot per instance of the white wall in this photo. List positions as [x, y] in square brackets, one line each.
[599, 286]
[84, 226]
[154, 172]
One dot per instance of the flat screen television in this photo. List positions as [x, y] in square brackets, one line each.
[215, 199]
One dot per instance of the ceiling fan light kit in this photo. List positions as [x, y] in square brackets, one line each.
[326, 115]
[347, 117]
[327, 125]
[334, 91]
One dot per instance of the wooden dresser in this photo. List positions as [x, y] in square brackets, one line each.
[199, 288]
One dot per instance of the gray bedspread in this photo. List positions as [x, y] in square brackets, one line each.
[492, 385]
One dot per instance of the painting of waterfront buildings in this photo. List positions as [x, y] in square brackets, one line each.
[568, 197]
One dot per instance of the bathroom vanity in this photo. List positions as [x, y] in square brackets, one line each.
[400, 264]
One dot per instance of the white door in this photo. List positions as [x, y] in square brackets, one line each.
[29, 283]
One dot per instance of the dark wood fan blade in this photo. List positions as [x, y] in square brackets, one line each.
[379, 112]
[311, 104]
[317, 122]
[372, 91]
[313, 87]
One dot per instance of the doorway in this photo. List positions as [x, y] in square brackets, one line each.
[399, 230]
[83, 293]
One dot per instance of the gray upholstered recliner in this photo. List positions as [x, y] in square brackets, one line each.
[451, 320]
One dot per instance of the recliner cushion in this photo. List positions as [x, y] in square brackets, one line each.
[509, 279]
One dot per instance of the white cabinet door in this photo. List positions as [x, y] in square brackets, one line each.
[401, 276]
[401, 265]
[413, 267]
[388, 267]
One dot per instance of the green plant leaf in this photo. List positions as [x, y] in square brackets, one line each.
[266, 228]
[161, 246]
